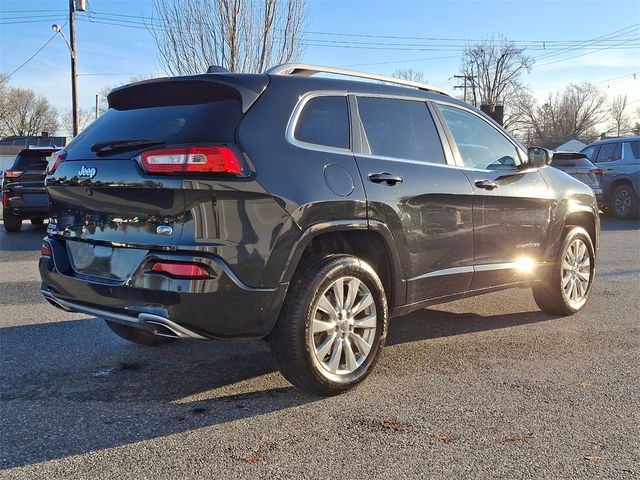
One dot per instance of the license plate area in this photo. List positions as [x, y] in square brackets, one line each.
[102, 261]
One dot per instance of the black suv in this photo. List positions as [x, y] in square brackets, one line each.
[305, 211]
[23, 192]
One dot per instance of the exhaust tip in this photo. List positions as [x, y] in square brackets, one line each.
[161, 330]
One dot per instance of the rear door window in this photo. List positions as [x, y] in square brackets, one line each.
[324, 121]
[400, 129]
[480, 144]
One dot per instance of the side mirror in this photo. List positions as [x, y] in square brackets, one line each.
[539, 156]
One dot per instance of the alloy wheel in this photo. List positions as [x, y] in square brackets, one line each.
[343, 326]
[622, 202]
[576, 273]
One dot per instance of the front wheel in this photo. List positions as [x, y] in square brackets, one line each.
[566, 287]
[333, 324]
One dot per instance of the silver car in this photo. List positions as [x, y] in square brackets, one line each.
[581, 168]
[619, 159]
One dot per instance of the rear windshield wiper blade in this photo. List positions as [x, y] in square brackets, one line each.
[122, 145]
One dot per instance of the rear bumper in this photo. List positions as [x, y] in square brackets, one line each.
[220, 307]
[37, 206]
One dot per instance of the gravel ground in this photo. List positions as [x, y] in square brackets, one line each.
[487, 387]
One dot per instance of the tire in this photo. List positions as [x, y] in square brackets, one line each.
[37, 221]
[624, 202]
[304, 349]
[12, 223]
[136, 335]
[565, 288]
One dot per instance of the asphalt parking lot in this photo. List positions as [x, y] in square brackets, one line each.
[487, 387]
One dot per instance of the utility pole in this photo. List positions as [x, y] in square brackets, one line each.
[96, 105]
[74, 58]
[465, 78]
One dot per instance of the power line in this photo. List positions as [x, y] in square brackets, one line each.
[37, 52]
[577, 56]
[621, 77]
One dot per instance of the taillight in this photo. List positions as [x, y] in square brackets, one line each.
[597, 171]
[191, 271]
[190, 159]
[45, 250]
[12, 174]
[56, 158]
[5, 199]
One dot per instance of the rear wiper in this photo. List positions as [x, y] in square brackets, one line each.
[122, 145]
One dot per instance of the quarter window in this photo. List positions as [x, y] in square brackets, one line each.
[480, 144]
[324, 121]
[400, 129]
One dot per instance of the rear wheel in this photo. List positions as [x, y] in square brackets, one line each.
[624, 203]
[137, 335]
[12, 223]
[37, 221]
[567, 285]
[333, 324]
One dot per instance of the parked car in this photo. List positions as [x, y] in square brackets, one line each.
[581, 168]
[305, 211]
[23, 191]
[619, 159]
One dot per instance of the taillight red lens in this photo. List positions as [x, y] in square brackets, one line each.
[597, 171]
[45, 250]
[12, 174]
[5, 199]
[181, 270]
[56, 158]
[191, 159]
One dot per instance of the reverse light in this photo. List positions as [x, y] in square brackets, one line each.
[45, 250]
[190, 271]
[56, 158]
[12, 174]
[190, 159]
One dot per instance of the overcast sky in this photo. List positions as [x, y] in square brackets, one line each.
[573, 41]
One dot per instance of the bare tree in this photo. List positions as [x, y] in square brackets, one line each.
[410, 74]
[494, 69]
[26, 114]
[619, 117]
[4, 90]
[239, 35]
[573, 113]
[85, 117]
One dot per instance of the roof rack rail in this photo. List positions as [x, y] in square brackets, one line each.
[306, 70]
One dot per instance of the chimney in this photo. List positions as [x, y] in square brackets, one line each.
[44, 134]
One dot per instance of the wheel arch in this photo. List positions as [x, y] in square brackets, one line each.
[371, 241]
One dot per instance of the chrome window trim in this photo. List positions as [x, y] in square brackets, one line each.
[295, 117]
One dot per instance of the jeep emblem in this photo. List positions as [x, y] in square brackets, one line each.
[87, 172]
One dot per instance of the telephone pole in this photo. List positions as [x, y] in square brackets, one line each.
[74, 74]
[465, 78]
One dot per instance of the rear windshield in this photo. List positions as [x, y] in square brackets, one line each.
[31, 161]
[565, 159]
[173, 117]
